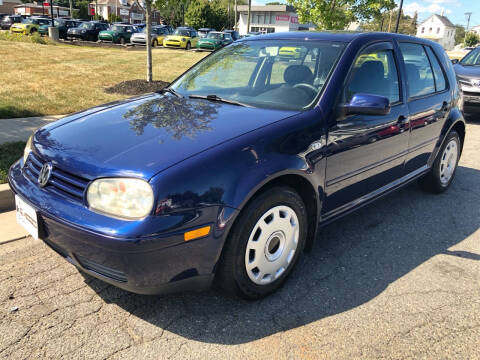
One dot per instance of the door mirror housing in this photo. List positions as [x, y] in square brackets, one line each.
[454, 61]
[367, 104]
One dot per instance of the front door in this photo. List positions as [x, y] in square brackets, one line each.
[367, 152]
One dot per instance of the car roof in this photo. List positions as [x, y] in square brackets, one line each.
[342, 36]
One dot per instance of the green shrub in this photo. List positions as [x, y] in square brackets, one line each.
[471, 39]
[35, 38]
[9, 153]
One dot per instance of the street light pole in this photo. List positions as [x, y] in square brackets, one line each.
[248, 15]
[398, 16]
[467, 16]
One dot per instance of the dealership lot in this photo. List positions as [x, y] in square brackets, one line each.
[397, 279]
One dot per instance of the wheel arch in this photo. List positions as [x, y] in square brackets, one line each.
[298, 182]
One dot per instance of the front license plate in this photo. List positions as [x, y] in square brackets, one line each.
[26, 216]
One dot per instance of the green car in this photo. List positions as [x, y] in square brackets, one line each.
[62, 24]
[118, 33]
[214, 40]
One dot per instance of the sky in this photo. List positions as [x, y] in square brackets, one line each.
[453, 9]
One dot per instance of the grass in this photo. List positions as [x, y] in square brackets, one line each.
[54, 80]
[9, 153]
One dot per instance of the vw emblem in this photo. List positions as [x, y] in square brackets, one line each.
[44, 174]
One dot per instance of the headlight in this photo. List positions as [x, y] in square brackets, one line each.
[123, 197]
[84, 31]
[27, 150]
[183, 39]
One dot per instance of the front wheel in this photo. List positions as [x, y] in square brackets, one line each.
[264, 244]
[188, 46]
[122, 41]
[444, 167]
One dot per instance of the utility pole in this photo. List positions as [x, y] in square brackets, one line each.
[248, 15]
[398, 16]
[51, 10]
[467, 16]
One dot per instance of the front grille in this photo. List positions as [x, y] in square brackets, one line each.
[103, 270]
[61, 182]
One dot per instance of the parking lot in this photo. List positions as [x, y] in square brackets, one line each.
[397, 279]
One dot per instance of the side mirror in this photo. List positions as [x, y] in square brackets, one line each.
[454, 61]
[367, 104]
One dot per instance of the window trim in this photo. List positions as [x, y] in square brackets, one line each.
[383, 45]
[418, 97]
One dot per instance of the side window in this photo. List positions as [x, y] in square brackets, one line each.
[374, 73]
[440, 83]
[419, 72]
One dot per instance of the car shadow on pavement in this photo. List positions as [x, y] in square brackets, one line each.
[354, 259]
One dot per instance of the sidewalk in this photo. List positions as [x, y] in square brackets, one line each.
[21, 128]
[10, 230]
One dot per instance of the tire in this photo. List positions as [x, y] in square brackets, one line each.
[249, 255]
[122, 41]
[188, 46]
[32, 30]
[155, 43]
[442, 173]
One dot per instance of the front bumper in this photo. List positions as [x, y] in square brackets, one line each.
[19, 31]
[76, 36]
[156, 263]
[174, 44]
[471, 98]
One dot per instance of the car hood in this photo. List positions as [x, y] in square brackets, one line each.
[21, 25]
[143, 136]
[467, 71]
[176, 37]
[210, 41]
[107, 32]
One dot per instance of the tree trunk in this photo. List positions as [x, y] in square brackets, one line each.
[71, 9]
[148, 15]
[248, 15]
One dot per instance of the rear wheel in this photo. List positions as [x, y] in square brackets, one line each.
[264, 244]
[444, 167]
[122, 41]
[155, 43]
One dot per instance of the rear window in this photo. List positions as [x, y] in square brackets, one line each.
[439, 77]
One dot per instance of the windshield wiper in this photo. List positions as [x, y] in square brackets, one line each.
[214, 97]
[171, 91]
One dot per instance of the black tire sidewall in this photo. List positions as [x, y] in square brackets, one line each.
[188, 46]
[245, 287]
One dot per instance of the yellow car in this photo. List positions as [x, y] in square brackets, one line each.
[183, 38]
[29, 25]
[290, 52]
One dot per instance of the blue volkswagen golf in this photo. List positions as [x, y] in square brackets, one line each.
[228, 174]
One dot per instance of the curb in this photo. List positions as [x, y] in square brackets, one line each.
[7, 200]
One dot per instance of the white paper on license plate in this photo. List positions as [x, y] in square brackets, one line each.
[26, 216]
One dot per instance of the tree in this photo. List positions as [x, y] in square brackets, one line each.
[459, 34]
[471, 39]
[337, 14]
[147, 7]
[198, 14]
[408, 24]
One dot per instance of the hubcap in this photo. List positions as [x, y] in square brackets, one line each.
[448, 162]
[272, 245]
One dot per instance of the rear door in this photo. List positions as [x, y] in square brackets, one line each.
[429, 102]
[366, 152]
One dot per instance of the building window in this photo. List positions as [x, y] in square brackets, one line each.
[438, 30]
[430, 30]
[423, 30]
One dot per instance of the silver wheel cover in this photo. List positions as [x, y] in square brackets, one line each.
[272, 245]
[448, 161]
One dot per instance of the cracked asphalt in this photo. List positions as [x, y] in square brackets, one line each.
[397, 279]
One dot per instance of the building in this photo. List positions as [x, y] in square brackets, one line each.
[40, 9]
[475, 29]
[7, 6]
[127, 10]
[439, 29]
[269, 19]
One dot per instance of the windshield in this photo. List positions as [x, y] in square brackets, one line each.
[58, 22]
[28, 21]
[214, 36]
[472, 58]
[86, 25]
[181, 32]
[259, 74]
[118, 28]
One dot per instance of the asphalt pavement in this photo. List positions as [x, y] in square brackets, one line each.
[397, 279]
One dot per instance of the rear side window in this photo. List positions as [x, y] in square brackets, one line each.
[374, 73]
[440, 83]
[419, 71]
